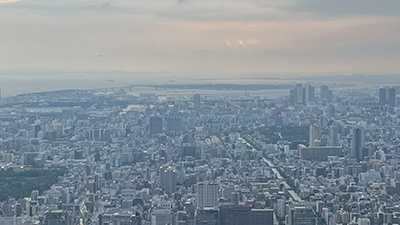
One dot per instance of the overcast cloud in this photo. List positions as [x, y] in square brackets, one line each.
[288, 36]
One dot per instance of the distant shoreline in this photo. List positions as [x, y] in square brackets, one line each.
[17, 82]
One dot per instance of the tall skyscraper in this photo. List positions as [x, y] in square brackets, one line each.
[156, 125]
[302, 94]
[331, 111]
[168, 180]
[207, 194]
[174, 123]
[292, 97]
[197, 102]
[309, 93]
[299, 94]
[387, 96]
[315, 133]
[326, 94]
[162, 173]
[358, 143]
[333, 136]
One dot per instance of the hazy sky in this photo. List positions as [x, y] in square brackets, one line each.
[258, 36]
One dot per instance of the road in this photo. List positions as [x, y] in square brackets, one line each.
[294, 195]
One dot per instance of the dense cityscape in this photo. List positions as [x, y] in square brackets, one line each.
[199, 112]
[317, 155]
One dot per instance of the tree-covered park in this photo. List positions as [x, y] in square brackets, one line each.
[273, 134]
[21, 184]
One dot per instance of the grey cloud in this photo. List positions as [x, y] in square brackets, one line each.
[345, 7]
[208, 10]
[58, 7]
[205, 10]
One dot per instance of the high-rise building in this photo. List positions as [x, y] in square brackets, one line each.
[245, 215]
[331, 111]
[234, 215]
[387, 96]
[34, 195]
[291, 97]
[298, 94]
[7, 220]
[314, 134]
[156, 125]
[302, 94]
[281, 208]
[358, 143]
[31, 208]
[197, 102]
[97, 156]
[174, 123]
[168, 179]
[235, 199]
[162, 173]
[369, 176]
[182, 217]
[163, 217]
[57, 217]
[207, 194]
[261, 217]
[67, 114]
[8, 157]
[301, 215]
[326, 94]
[333, 136]
[317, 152]
[309, 93]
[206, 216]
[119, 218]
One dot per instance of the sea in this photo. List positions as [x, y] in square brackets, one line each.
[16, 82]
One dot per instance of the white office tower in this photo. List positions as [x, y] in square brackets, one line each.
[207, 194]
[315, 134]
[309, 93]
[163, 217]
[299, 94]
[333, 136]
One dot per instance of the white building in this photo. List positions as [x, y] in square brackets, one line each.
[315, 134]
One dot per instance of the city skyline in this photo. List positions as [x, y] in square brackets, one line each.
[313, 155]
[199, 112]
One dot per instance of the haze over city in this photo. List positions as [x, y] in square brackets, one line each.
[199, 112]
[227, 36]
